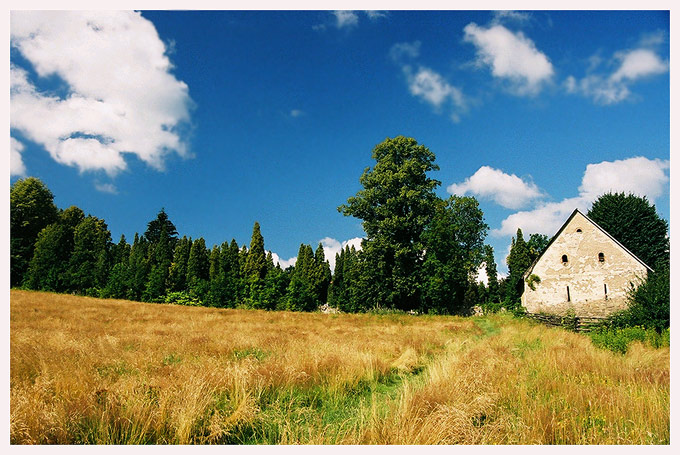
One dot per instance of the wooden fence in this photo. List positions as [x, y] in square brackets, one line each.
[575, 323]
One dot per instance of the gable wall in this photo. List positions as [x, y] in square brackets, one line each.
[583, 273]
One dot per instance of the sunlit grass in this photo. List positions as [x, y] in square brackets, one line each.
[115, 372]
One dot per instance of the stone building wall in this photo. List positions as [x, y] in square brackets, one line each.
[589, 286]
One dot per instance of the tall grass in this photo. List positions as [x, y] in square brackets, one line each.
[84, 370]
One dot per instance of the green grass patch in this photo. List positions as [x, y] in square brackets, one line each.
[255, 353]
[618, 339]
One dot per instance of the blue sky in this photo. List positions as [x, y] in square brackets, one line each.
[225, 118]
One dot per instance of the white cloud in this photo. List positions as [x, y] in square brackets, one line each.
[106, 188]
[284, 263]
[296, 113]
[331, 247]
[375, 15]
[510, 16]
[507, 190]
[431, 87]
[16, 163]
[637, 64]
[511, 56]
[346, 19]
[121, 98]
[637, 175]
[408, 50]
[546, 219]
[633, 65]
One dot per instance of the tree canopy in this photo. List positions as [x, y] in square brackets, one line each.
[633, 221]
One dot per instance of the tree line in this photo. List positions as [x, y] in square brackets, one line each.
[421, 252]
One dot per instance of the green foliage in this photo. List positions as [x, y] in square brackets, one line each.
[618, 339]
[454, 243]
[31, 210]
[182, 298]
[256, 264]
[198, 267]
[177, 274]
[532, 280]
[537, 244]
[156, 226]
[395, 205]
[48, 267]
[519, 260]
[493, 295]
[648, 304]
[633, 221]
[138, 268]
[89, 263]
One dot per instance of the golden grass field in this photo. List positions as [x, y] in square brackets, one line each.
[85, 370]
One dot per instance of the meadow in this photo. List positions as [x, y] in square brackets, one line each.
[91, 371]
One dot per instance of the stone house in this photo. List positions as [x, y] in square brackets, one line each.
[583, 269]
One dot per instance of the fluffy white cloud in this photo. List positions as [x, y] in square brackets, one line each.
[546, 219]
[633, 65]
[507, 190]
[637, 64]
[16, 163]
[637, 175]
[346, 19]
[431, 87]
[122, 97]
[331, 247]
[511, 56]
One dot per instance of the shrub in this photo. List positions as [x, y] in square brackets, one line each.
[618, 339]
[182, 298]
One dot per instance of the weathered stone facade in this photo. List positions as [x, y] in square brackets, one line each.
[584, 270]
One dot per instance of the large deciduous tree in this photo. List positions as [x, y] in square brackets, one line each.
[454, 243]
[396, 204]
[633, 221]
[31, 210]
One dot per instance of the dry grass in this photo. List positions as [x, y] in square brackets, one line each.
[109, 371]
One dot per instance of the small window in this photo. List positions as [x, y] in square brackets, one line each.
[605, 291]
[564, 259]
[579, 230]
[568, 295]
[600, 257]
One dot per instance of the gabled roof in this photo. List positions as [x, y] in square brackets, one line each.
[573, 214]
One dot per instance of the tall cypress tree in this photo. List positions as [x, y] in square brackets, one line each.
[492, 275]
[256, 263]
[160, 267]
[322, 275]
[519, 260]
[198, 269]
[117, 284]
[300, 295]
[177, 275]
[138, 267]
